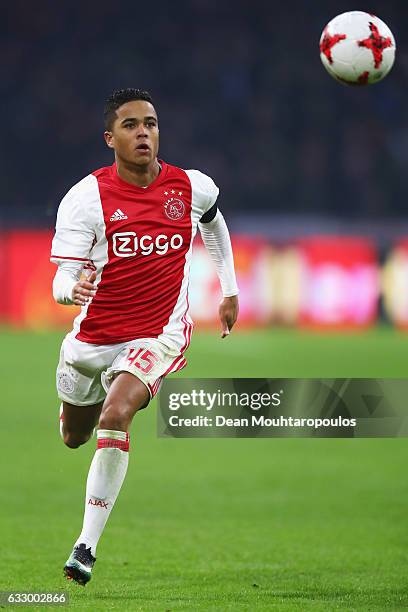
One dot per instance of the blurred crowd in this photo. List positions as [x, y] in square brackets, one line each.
[240, 91]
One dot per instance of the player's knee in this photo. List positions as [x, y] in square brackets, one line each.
[75, 440]
[114, 416]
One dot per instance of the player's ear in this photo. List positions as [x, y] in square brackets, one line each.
[108, 136]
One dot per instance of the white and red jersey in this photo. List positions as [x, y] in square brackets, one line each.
[140, 242]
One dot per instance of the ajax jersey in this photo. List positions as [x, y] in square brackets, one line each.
[139, 241]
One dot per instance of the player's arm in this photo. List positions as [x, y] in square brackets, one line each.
[216, 238]
[71, 247]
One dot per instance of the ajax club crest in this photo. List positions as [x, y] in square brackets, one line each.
[174, 207]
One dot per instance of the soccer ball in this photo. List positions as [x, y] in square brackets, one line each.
[357, 48]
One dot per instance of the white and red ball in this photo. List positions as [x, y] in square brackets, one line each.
[357, 48]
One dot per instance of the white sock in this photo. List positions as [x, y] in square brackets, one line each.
[105, 478]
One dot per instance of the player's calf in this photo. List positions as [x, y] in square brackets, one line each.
[75, 440]
[71, 439]
[77, 423]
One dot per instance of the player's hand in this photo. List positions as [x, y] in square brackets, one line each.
[84, 290]
[228, 312]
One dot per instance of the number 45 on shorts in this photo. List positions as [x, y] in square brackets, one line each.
[149, 360]
[142, 358]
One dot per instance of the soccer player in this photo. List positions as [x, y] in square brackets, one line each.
[129, 228]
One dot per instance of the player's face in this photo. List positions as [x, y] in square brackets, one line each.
[135, 133]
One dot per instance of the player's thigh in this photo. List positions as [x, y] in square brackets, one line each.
[134, 378]
[127, 394]
[81, 419]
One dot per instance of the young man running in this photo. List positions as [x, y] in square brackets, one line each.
[130, 227]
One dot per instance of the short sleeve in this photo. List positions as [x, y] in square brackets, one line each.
[74, 231]
[204, 191]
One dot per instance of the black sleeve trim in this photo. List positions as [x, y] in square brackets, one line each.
[209, 215]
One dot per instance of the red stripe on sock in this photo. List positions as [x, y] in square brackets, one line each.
[110, 443]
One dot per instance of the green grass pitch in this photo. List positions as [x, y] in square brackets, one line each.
[238, 524]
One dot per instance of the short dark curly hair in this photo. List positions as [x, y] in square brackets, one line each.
[119, 97]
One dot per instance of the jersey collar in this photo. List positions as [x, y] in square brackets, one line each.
[129, 186]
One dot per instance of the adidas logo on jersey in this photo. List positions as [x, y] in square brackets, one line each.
[118, 215]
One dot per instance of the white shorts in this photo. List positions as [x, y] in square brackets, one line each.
[85, 371]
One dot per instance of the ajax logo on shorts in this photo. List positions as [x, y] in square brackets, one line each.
[127, 244]
[65, 382]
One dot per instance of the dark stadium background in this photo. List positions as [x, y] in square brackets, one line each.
[241, 95]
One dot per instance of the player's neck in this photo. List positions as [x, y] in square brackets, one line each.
[141, 176]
